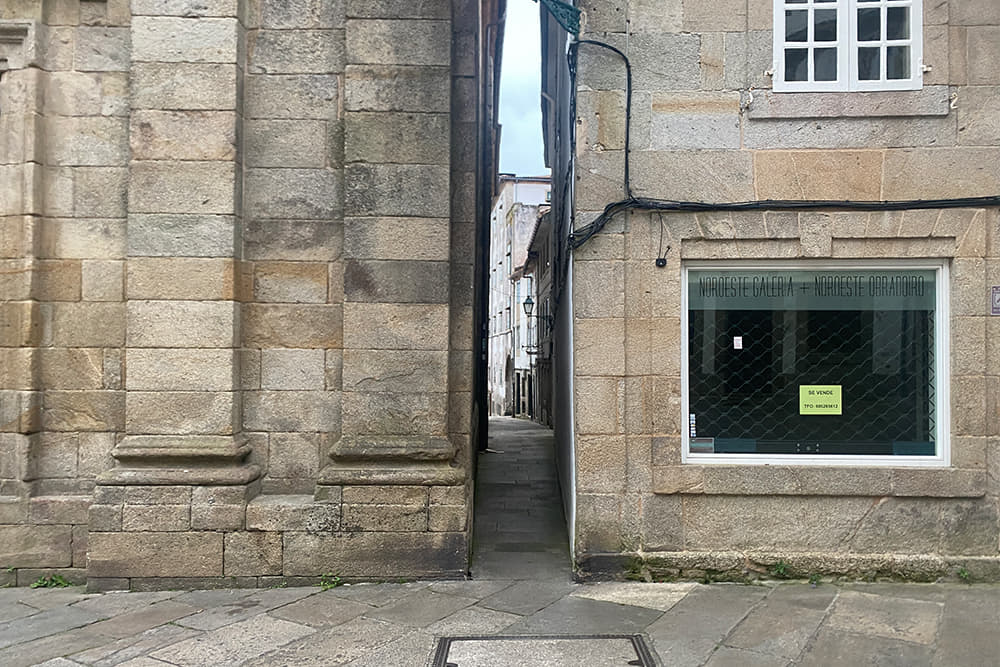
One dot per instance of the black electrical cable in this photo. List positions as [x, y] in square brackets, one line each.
[578, 237]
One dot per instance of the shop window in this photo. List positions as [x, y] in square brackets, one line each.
[841, 45]
[822, 364]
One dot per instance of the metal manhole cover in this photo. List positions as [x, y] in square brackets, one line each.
[547, 651]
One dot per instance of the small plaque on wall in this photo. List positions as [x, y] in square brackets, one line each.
[995, 300]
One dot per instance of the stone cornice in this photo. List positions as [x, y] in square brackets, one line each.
[17, 44]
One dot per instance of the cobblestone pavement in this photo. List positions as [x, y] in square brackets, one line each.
[521, 587]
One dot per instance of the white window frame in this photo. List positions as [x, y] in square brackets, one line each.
[847, 47]
[942, 370]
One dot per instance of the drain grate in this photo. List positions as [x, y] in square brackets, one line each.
[548, 650]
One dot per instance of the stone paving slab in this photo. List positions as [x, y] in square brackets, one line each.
[946, 625]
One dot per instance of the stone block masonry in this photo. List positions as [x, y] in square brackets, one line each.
[707, 127]
[218, 362]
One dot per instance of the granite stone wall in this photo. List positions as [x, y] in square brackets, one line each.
[236, 289]
[706, 127]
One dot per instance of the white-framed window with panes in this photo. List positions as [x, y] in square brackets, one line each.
[847, 45]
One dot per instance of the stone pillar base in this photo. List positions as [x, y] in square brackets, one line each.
[203, 460]
[392, 460]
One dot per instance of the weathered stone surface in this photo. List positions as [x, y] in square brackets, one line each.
[376, 326]
[177, 86]
[695, 121]
[59, 510]
[290, 282]
[379, 518]
[180, 278]
[417, 414]
[35, 546]
[180, 235]
[858, 133]
[292, 513]
[983, 52]
[299, 240]
[818, 175]
[166, 518]
[294, 193]
[83, 410]
[178, 40]
[396, 190]
[299, 96]
[396, 88]
[102, 280]
[394, 371]
[156, 554]
[291, 411]
[398, 281]
[693, 175]
[302, 14]
[186, 8]
[181, 323]
[85, 141]
[398, 42]
[179, 412]
[85, 324]
[600, 464]
[102, 49]
[603, 395]
[295, 455]
[395, 137]
[252, 554]
[293, 369]
[929, 173]
[52, 455]
[294, 326]
[298, 52]
[156, 369]
[70, 368]
[929, 101]
[379, 238]
[392, 554]
[287, 143]
[771, 523]
[166, 135]
[599, 348]
[182, 187]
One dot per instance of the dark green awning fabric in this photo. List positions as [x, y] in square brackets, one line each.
[566, 14]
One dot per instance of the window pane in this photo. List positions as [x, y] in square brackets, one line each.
[818, 1]
[796, 64]
[897, 62]
[868, 64]
[796, 2]
[897, 23]
[825, 25]
[796, 26]
[835, 362]
[869, 25]
[826, 64]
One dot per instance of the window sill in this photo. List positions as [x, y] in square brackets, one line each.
[818, 481]
[928, 101]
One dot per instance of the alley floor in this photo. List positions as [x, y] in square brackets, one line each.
[521, 587]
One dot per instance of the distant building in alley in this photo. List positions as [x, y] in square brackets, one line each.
[512, 225]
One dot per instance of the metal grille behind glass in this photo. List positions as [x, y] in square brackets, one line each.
[746, 367]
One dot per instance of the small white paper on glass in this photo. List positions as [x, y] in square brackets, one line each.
[737, 342]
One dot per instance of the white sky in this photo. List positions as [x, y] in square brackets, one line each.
[520, 81]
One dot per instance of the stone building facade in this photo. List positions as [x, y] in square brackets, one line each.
[655, 486]
[236, 328]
